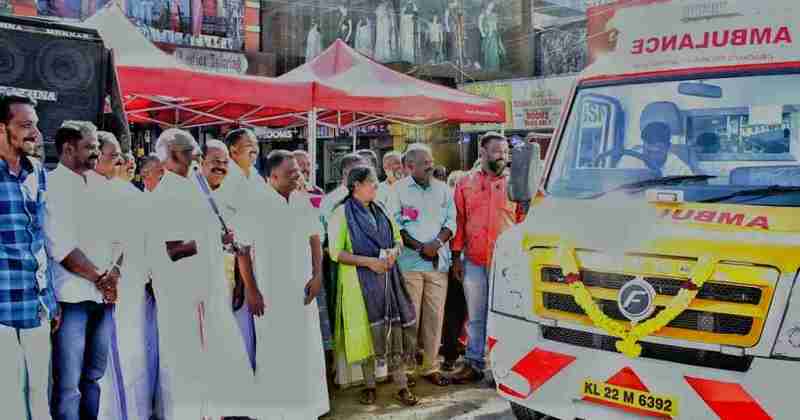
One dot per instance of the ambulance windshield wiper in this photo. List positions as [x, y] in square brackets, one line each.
[758, 192]
[655, 182]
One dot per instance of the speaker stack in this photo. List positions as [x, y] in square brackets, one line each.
[65, 68]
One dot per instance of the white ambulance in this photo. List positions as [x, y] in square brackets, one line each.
[655, 273]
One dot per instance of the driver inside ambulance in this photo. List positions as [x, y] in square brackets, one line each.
[656, 154]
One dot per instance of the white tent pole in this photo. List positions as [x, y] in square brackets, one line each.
[355, 138]
[312, 144]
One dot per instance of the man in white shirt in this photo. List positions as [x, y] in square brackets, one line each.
[290, 365]
[656, 154]
[81, 344]
[151, 171]
[228, 351]
[241, 195]
[393, 168]
[126, 388]
[186, 250]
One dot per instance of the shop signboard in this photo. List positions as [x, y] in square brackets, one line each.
[215, 61]
[499, 90]
[530, 103]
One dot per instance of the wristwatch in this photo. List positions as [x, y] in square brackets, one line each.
[441, 244]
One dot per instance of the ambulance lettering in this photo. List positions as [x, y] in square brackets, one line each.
[716, 39]
[719, 218]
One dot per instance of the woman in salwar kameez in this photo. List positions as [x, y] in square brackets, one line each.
[375, 317]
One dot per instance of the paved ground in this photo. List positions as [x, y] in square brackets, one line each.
[463, 402]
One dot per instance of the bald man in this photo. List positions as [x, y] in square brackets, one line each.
[187, 248]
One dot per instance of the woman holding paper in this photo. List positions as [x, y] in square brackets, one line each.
[375, 317]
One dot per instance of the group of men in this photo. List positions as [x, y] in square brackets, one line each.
[225, 262]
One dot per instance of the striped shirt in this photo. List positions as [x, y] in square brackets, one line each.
[25, 287]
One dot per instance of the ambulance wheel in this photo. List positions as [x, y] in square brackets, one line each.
[525, 413]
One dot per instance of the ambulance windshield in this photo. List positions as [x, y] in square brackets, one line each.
[743, 133]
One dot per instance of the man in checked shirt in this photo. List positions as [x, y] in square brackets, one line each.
[28, 233]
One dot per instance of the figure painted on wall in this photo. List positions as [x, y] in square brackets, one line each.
[408, 31]
[345, 26]
[491, 43]
[313, 42]
[385, 33]
[364, 37]
[436, 38]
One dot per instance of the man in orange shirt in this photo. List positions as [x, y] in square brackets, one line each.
[483, 213]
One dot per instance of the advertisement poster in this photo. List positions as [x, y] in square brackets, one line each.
[193, 23]
[563, 50]
[538, 103]
[5, 7]
[530, 103]
[602, 33]
[502, 91]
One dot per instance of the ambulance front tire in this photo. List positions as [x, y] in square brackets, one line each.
[525, 413]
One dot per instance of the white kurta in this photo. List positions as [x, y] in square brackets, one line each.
[126, 386]
[228, 347]
[180, 212]
[290, 363]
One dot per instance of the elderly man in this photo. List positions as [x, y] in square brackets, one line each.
[152, 170]
[128, 169]
[81, 345]
[290, 366]
[228, 350]
[426, 214]
[27, 298]
[185, 243]
[304, 161]
[127, 389]
[393, 167]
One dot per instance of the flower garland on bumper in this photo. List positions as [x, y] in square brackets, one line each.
[628, 345]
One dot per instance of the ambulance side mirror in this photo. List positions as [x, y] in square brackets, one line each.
[525, 168]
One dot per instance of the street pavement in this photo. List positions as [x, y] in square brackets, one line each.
[455, 402]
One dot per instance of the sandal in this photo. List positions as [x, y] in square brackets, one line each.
[406, 397]
[368, 396]
[437, 379]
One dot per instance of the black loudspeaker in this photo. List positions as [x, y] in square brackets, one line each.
[65, 68]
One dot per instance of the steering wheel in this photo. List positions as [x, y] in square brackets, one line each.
[625, 152]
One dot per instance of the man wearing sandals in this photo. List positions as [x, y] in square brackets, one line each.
[426, 214]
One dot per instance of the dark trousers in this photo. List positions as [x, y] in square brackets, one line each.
[455, 314]
[80, 356]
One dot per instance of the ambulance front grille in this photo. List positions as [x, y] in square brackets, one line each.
[686, 356]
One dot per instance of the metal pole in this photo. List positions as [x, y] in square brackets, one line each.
[312, 143]
[355, 138]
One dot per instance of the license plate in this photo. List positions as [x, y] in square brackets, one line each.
[630, 398]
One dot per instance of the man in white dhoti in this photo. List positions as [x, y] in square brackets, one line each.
[228, 350]
[290, 368]
[186, 250]
[127, 386]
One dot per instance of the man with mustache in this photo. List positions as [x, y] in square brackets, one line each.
[185, 244]
[425, 212]
[128, 169]
[290, 366]
[229, 351]
[32, 239]
[483, 213]
[81, 345]
[304, 161]
[151, 171]
[126, 389]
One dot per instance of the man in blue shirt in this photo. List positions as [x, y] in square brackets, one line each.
[29, 233]
[426, 214]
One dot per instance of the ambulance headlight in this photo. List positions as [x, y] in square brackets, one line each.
[788, 342]
[511, 279]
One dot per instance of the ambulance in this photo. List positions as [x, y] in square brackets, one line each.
[656, 274]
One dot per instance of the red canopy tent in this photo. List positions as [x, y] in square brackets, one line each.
[157, 88]
[351, 90]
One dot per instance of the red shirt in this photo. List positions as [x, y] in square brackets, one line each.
[483, 212]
